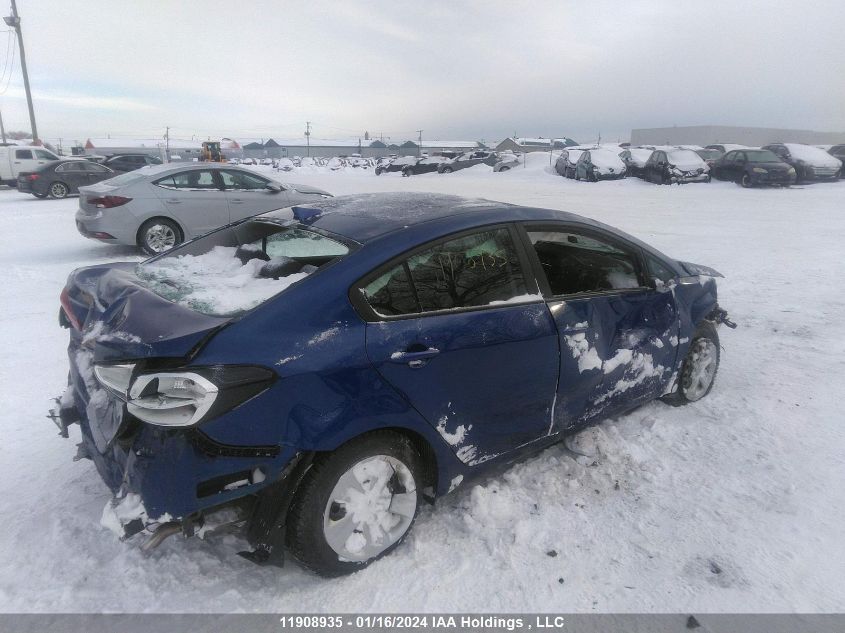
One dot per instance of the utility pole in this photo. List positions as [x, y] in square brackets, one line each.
[167, 144]
[2, 128]
[419, 145]
[308, 137]
[14, 21]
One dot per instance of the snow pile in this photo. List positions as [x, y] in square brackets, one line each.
[215, 282]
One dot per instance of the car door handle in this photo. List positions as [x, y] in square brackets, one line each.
[173, 201]
[415, 359]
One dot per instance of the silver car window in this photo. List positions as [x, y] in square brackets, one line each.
[193, 180]
[241, 181]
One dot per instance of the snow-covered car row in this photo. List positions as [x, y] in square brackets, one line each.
[777, 164]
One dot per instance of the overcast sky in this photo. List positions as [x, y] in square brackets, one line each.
[458, 70]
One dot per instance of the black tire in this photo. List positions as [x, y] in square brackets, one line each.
[146, 241]
[745, 181]
[577, 177]
[59, 190]
[504, 168]
[406, 173]
[378, 171]
[40, 195]
[447, 170]
[305, 537]
[681, 395]
[592, 177]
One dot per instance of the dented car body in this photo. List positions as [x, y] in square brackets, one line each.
[473, 331]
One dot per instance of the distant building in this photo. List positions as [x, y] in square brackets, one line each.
[520, 144]
[185, 149]
[710, 134]
[281, 147]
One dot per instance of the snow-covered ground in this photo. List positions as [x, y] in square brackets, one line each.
[735, 503]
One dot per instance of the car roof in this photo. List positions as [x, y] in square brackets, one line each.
[165, 168]
[366, 217]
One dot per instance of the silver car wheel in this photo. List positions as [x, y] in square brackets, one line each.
[370, 508]
[700, 369]
[160, 237]
[58, 190]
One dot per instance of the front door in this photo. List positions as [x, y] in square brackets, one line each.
[196, 199]
[618, 335]
[458, 331]
[248, 194]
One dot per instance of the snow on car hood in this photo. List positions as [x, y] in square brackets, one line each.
[640, 156]
[686, 160]
[812, 155]
[606, 160]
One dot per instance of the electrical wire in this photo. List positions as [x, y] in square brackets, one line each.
[11, 66]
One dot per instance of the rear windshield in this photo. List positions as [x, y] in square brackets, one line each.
[126, 179]
[238, 268]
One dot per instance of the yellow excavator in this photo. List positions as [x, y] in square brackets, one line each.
[211, 152]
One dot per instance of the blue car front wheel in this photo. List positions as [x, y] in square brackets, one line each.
[356, 504]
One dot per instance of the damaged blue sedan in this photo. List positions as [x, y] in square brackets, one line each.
[317, 372]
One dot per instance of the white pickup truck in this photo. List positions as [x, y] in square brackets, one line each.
[17, 158]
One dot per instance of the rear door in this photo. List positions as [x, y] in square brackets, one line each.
[195, 198]
[248, 194]
[459, 329]
[72, 174]
[618, 333]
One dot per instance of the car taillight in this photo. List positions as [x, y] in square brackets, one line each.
[64, 298]
[108, 202]
[33, 177]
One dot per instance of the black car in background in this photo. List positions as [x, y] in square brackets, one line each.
[424, 165]
[60, 178]
[666, 167]
[838, 151]
[130, 162]
[468, 159]
[752, 168]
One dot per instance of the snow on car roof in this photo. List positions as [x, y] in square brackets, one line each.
[811, 154]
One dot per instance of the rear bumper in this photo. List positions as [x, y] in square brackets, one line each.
[25, 186]
[110, 228]
[160, 475]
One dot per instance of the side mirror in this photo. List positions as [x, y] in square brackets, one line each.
[274, 188]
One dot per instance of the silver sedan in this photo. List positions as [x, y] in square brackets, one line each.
[160, 206]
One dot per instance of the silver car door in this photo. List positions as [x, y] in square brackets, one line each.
[195, 199]
[249, 195]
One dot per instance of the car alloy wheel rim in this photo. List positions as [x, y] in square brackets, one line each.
[700, 369]
[370, 508]
[160, 237]
[58, 190]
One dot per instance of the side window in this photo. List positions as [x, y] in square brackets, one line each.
[475, 270]
[152, 160]
[730, 157]
[575, 263]
[195, 179]
[23, 154]
[74, 166]
[658, 270]
[739, 157]
[89, 166]
[42, 155]
[303, 245]
[241, 181]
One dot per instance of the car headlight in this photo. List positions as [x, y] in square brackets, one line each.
[790, 171]
[759, 170]
[183, 397]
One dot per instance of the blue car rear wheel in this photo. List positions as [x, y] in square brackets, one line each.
[356, 504]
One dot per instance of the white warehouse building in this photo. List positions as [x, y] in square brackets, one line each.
[710, 134]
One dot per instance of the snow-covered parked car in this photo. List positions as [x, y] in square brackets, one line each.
[566, 161]
[160, 206]
[636, 159]
[284, 164]
[670, 166]
[810, 163]
[507, 161]
[317, 371]
[600, 163]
